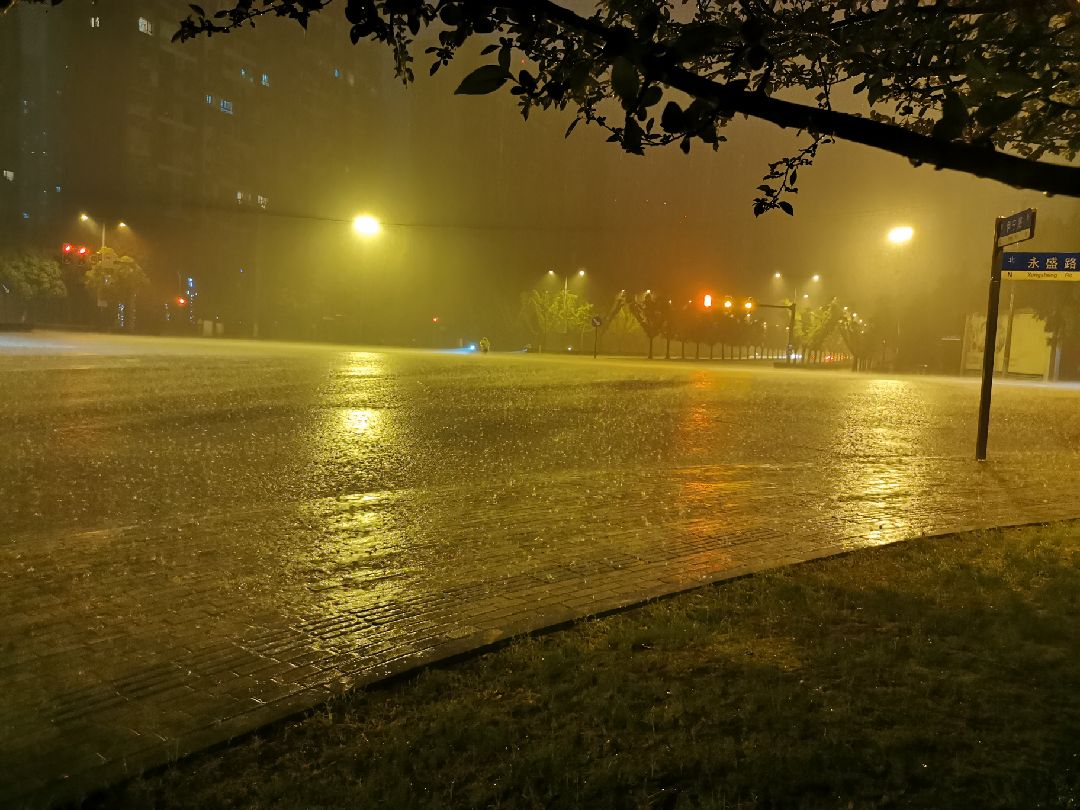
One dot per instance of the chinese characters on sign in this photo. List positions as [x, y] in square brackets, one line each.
[1041, 266]
[1016, 228]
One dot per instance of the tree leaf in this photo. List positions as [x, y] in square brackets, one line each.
[483, 80]
[672, 119]
[999, 110]
[954, 117]
[625, 81]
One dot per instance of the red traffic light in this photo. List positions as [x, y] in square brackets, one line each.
[181, 301]
[435, 319]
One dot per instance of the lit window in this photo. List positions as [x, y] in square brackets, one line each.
[239, 197]
[209, 99]
[26, 215]
[243, 73]
[226, 106]
[95, 22]
[59, 189]
[145, 26]
[266, 80]
[9, 176]
[337, 73]
[263, 201]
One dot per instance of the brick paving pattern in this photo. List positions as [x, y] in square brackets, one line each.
[162, 629]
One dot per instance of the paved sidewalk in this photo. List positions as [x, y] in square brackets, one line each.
[129, 645]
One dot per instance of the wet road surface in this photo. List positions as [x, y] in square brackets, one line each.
[198, 537]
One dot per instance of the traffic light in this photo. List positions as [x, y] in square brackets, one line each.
[181, 301]
[70, 253]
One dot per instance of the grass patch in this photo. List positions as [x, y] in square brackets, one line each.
[936, 673]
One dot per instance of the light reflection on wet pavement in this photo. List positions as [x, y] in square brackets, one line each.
[199, 537]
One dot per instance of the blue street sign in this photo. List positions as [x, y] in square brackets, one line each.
[1016, 228]
[1041, 266]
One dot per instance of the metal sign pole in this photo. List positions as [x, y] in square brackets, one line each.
[1007, 231]
[989, 346]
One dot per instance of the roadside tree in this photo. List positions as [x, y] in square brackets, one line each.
[28, 278]
[116, 281]
[653, 315]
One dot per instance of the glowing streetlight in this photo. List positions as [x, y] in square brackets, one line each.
[84, 217]
[901, 234]
[778, 275]
[815, 277]
[581, 272]
[708, 301]
[366, 225]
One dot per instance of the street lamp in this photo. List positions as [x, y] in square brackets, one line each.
[792, 309]
[84, 217]
[901, 234]
[566, 293]
[366, 225]
[898, 237]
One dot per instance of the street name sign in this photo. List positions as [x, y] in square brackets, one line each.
[1041, 266]
[1018, 227]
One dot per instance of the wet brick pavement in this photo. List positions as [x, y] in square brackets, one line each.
[199, 538]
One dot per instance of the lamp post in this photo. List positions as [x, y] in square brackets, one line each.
[87, 218]
[366, 227]
[898, 236]
[792, 309]
[565, 295]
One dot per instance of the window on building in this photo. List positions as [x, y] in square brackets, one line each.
[26, 215]
[209, 99]
[263, 201]
[9, 176]
[226, 106]
[243, 73]
[266, 80]
[95, 22]
[59, 189]
[146, 27]
[337, 73]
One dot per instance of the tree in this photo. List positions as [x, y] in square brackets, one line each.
[985, 87]
[652, 314]
[539, 312]
[562, 312]
[116, 280]
[861, 337]
[27, 278]
[620, 326]
[814, 326]
[572, 314]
